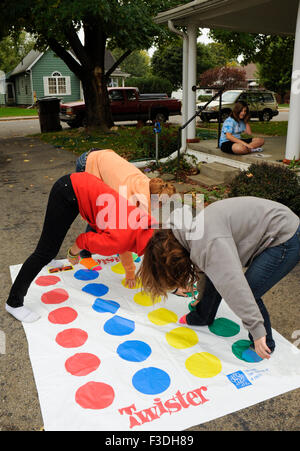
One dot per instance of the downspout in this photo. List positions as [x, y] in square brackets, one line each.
[141, 164]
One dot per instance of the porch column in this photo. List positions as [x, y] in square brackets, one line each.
[293, 134]
[192, 31]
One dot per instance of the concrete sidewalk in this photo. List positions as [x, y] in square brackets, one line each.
[28, 169]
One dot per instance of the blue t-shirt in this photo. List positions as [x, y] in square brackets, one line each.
[232, 126]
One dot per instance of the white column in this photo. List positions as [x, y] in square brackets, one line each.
[192, 31]
[184, 109]
[293, 134]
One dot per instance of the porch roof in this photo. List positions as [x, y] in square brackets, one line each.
[252, 16]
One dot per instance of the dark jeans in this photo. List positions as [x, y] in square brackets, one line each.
[62, 210]
[264, 272]
[80, 167]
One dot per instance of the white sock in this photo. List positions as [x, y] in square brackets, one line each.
[257, 149]
[22, 314]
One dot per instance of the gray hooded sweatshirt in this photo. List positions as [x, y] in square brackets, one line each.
[225, 237]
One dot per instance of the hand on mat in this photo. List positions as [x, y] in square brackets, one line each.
[130, 283]
[73, 254]
[183, 291]
[261, 348]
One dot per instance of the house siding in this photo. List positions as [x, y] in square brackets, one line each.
[23, 89]
[45, 67]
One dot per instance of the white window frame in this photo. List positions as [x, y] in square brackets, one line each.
[57, 76]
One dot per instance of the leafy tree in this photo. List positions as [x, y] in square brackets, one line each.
[273, 54]
[137, 64]
[167, 61]
[125, 24]
[13, 49]
[227, 76]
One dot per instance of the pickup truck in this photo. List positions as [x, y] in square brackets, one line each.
[127, 104]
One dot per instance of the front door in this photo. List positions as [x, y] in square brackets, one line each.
[10, 89]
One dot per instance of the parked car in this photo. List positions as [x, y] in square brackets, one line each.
[262, 104]
[126, 104]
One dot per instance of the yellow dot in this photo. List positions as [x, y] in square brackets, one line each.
[203, 364]
[162, 316]
[118, 268]
[137, 285]
[182, 337]
[145, 300]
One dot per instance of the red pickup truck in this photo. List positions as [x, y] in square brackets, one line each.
[127, 104]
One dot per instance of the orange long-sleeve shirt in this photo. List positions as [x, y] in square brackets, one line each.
[127, 180]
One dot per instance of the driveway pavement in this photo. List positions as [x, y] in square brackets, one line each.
[28, 168]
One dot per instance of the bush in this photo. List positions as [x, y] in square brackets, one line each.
[167, 142]
[149, 85]
[272, 182]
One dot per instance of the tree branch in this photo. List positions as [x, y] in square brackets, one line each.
[76, 45]
[117, 63]
[66, 57]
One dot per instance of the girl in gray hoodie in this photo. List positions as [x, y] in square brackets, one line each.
[227, 236]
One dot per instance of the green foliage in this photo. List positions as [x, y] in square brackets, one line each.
[166, 62]
[150, 84]
[137, 64]
[272, 182]
[167, 142]
[13, 49]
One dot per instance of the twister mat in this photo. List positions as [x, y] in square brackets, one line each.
[105, 358]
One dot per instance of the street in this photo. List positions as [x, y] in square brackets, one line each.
[22, 127]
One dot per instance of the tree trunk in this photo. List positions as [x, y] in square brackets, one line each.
[98, 114]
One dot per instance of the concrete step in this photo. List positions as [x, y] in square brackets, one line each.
[205, 181]
[221, 173]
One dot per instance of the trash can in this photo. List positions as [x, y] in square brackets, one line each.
[49, 114]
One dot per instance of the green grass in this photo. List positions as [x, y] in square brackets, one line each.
[272, 128]
[9, 111]
[123, 141]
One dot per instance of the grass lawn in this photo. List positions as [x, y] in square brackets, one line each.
[9, 111]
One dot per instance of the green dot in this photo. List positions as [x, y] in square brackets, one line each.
[239, 347]
[224, 327]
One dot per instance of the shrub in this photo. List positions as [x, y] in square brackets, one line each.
[167, 142]
[152, 84]
[272, 182]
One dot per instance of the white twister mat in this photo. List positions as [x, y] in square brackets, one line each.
[105, 359]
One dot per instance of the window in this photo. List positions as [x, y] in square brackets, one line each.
[131, 94]
[268, 97]
[57, 84]
[115, 95]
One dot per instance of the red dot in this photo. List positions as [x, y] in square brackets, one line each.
[45, 281]
[63, 315]
[71, 338]
[56, 296]
[82, 364]
[95, 395]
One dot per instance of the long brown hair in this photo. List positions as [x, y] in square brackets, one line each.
[159, 186]
[238, 107]
[166, 265]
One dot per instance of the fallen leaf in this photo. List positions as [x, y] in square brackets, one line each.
[26, 161]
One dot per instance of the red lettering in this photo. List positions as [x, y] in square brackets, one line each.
[181, 400]
[160, 406]
[190, 396]
[147, 415]
[129, 411]
[172, 404]
[199, 393]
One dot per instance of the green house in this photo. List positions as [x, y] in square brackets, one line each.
[42, 74]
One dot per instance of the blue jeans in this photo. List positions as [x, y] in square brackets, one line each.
[81, 161]
[264, 272]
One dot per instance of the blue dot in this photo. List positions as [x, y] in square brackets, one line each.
[119, 326]
[96, 289]
[151, 381]
[138, 259]
[250, 356]
[86, 274]
[134, 351]
[103, 306]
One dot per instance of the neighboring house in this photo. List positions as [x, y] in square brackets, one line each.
[251, 76]
[42, 74]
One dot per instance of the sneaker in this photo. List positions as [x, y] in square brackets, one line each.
[257, 149]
